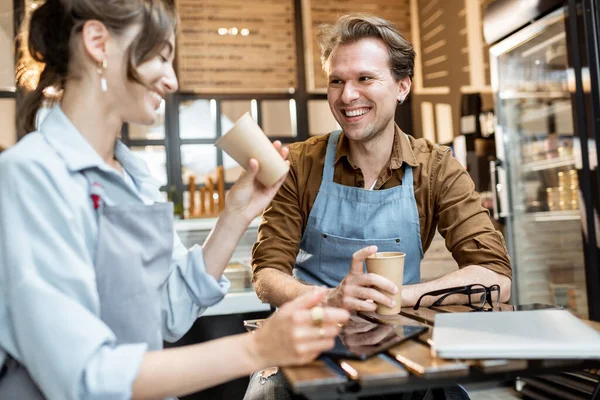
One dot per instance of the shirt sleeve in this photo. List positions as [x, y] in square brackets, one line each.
[463, 221]
[48, 282]
[188, 291]
[281, 229]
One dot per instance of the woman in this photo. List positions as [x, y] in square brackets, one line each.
[92, 276]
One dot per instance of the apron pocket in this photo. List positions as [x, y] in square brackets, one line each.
[336, 254]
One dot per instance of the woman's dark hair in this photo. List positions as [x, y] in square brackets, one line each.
[47, 45]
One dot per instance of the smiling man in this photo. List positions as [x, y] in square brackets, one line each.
[371, 184]
[370, 187]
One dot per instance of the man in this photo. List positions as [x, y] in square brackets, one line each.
[371, 188]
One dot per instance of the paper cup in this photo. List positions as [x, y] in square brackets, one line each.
[390, 265]
[246, 140]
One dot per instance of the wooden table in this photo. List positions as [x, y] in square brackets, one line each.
[410, 366]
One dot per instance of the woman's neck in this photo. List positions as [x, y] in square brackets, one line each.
[88, 112]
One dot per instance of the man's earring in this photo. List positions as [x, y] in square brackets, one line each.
[101, 69]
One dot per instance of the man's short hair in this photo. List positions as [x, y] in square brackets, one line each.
[353, 27]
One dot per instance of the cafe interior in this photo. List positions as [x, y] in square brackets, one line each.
[512, 86]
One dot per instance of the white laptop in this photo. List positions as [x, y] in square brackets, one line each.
[537, 334]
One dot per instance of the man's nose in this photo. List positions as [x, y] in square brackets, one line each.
[349, 93]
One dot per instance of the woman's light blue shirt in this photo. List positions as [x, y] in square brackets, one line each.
[49, 306]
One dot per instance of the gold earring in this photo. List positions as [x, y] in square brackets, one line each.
[101, 68]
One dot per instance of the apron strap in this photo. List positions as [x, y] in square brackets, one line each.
[407, 180]
[330, 156]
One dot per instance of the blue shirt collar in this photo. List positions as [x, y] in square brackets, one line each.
[73, 148]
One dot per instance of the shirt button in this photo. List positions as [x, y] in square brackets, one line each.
[324, 236]
[397, 240]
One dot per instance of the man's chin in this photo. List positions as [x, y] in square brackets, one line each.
[357, 134]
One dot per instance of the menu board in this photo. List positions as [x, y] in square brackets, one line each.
[318, 12]
[236, 46]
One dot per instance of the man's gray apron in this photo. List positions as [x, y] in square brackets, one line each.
[134, 248]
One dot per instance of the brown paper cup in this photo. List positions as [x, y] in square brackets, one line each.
[246, 140]
[390, 265]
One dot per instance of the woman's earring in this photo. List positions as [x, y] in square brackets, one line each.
[100, 70]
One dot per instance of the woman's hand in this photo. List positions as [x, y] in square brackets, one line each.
[293, 336]
[248, 197]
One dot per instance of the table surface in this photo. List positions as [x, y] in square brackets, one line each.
[411, 366]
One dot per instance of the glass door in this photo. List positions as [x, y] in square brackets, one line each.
[540, 178]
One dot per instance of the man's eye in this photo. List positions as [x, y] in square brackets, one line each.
[335, 82]
[364, 78]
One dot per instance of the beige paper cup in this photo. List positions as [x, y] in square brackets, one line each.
[390, 265]
[246, 140]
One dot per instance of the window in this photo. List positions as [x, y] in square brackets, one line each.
[7, 61]
[8, 131]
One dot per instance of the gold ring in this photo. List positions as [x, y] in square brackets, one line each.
[317, 315]
[321, 333]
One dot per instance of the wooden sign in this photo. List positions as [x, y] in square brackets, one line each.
[318, 12]
[236, 46]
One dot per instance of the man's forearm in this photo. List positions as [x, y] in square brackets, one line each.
[469, 275]
[277, 288]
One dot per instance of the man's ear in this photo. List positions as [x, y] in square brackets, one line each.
[404, 85]
[95, 36]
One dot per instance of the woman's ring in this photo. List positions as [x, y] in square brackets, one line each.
[317, 315]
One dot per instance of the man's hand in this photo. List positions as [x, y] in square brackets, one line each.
[359, 291]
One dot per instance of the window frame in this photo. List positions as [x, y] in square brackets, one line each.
[173, 141]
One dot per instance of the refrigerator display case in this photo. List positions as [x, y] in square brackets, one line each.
[538, 176]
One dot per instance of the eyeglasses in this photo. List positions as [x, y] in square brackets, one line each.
[477, 294]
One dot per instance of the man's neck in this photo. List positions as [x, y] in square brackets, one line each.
[372, 156]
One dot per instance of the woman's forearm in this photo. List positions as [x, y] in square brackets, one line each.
[222, 241]
[188, 369]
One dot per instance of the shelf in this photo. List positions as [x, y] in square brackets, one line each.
[548, 163]
[514, 95]
[204, 224]
[549, 216]
[238, 303]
